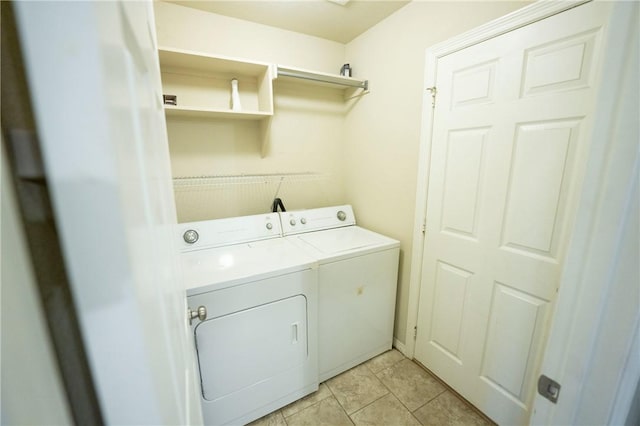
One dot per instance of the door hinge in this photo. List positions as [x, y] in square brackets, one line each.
[549, 388]
[415, 332]
[433, 91]
[424, 227]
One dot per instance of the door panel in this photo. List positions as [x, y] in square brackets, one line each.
[514, 327]
[451, 288]
[507, 157]
[559, 65]
[461, 190]
[474, 85]
[542, 158]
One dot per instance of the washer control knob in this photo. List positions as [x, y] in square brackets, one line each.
[341, 215]
[303, 221]
[269, 226]
[190, 236]
[292, 222]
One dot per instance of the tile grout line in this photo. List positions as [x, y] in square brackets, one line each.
[399, 400]
[411, 413]
[437, 379]
[380, 397]
[311, 405]
[428, 402]
[453, 392]
[362, 408]
[365, 364]
[408, 409]
[389, 391]
[326, 382]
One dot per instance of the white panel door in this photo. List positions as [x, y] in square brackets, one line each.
[94, 80]
[509, 149]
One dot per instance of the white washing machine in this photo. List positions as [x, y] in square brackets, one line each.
[257, 341]
[357, 280]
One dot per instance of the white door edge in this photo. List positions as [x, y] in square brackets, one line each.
[108, 172]
[510, 22]
[588, 286]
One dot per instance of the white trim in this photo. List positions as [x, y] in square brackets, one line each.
[628, 383]
[514, 20]
[400, 346]
[518, 19]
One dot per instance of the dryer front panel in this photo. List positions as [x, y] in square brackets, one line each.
[246, 348]
[257, 349]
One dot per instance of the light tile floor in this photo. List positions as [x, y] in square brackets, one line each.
[387, 390]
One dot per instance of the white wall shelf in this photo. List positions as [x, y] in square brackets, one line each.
[179, 111]
[202, 85]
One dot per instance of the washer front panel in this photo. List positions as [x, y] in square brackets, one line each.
[356, 307]
[357, 281]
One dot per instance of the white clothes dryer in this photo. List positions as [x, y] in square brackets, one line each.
[357, 280]
[256, 337]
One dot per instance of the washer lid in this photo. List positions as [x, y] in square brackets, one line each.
[340, 240]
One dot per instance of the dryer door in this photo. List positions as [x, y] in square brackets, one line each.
[247, 349]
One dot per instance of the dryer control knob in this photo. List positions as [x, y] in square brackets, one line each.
[190, 236]
[269, 226]
[200, 313]
[341, 215]
[303, 221]
[292, 222]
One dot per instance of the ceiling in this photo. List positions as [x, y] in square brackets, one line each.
[327, 19]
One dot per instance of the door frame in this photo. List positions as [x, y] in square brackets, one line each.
[518, 19]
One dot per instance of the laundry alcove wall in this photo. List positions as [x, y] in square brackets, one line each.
[215, 197]
[369, 151]
[236, 175]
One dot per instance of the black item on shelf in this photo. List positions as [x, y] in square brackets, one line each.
[345, 71]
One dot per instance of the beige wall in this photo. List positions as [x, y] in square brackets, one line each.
[382, 132]
[305, 134]
[364, 152]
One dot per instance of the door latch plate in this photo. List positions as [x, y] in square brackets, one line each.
[548, 388]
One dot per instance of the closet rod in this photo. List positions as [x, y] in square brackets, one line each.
[323, 78]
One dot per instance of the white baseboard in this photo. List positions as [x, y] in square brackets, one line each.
[400, 346]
